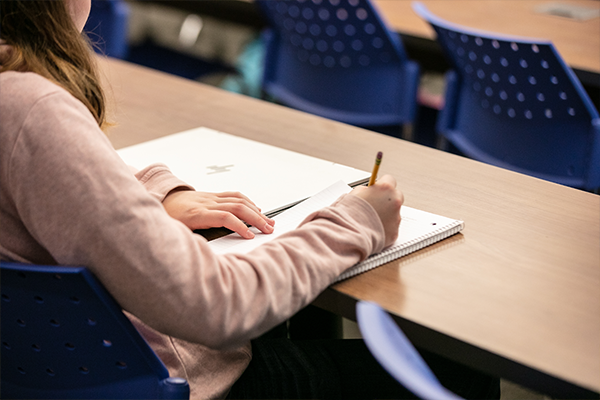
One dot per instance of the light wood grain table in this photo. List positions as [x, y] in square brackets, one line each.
[516, 294]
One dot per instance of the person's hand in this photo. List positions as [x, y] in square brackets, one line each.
[386, 200]
[199, 210]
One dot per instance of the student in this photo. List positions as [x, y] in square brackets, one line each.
[67, 198]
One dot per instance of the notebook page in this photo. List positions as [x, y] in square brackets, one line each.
[284, 222]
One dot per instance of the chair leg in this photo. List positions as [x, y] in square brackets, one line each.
[407, 132]
[441, 143]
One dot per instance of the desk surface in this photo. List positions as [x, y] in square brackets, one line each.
[517, 293]
[577, 41]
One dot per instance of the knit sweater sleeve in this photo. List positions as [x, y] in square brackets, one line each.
[81, 203]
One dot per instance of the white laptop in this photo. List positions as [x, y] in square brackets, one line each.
[211, 161]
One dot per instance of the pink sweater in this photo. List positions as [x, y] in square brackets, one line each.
[67, 198]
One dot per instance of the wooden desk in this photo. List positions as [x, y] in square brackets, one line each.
[577, 41]
[517, 294]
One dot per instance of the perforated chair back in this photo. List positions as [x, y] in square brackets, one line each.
[107, 27]
[337, 59]
[64, 337]
[514, 103]
[396, 354]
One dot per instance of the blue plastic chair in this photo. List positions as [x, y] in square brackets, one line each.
[64, 337]
[396, 354]
[337, 59]
[514, 103]
[107, 27]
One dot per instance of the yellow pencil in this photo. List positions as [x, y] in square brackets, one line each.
[375, 168]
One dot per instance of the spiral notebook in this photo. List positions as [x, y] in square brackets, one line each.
[418, 229]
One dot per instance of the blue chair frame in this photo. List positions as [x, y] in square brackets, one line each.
[514, 103]
[107, 27]
[337, 59]
[64, 337]
[396, 354]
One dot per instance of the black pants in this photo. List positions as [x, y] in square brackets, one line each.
[283, 368]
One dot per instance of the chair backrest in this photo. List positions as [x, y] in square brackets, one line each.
[396, 354]
[513, 102]
[107, 27]
[337, 59]
[63, 336]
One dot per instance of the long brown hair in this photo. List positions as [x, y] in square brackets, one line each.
[46, 41]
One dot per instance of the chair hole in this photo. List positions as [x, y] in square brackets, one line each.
[350, 30]
[370, 29]
[315, 30]
[497, 109]
[106, 343]
[334, 2]
[377, 42]
[345, 61]
[451, 34]
[84, 370]
[308, 43]
[511, 112]
[503, 95]
[571, 111]
[70, 346]
[315, 60]
[54, 323]
[464, 38]
[5, 297]
[562, 95]
[472, 56]
[535, 48]
[514, 46]
[329, 62]
[520, 97]
[489, 92]
[528, 114]
[357, 45]
[294, 11]
[480, 74]
[532, 80]
[504, 62]
[495, 77]
[91, 322]
[512, 79]
[338, 46]
[50, 372]
[479, 41]
[545, 64]
[540, 97]
[20, 322]
[477, 86]
[460, 51]
[554, 80]
[548, 113]
[469, 69]
[341, 14]
[301, 28]
[495, 44]
[323, 14]
[121, 364]
[38, 299]
[6, 345]
[322, 46]
[487, 59]
[21, 370]
[362, 14]
[485, 104]
[36, 348]
[523, 63]
[308, 13]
